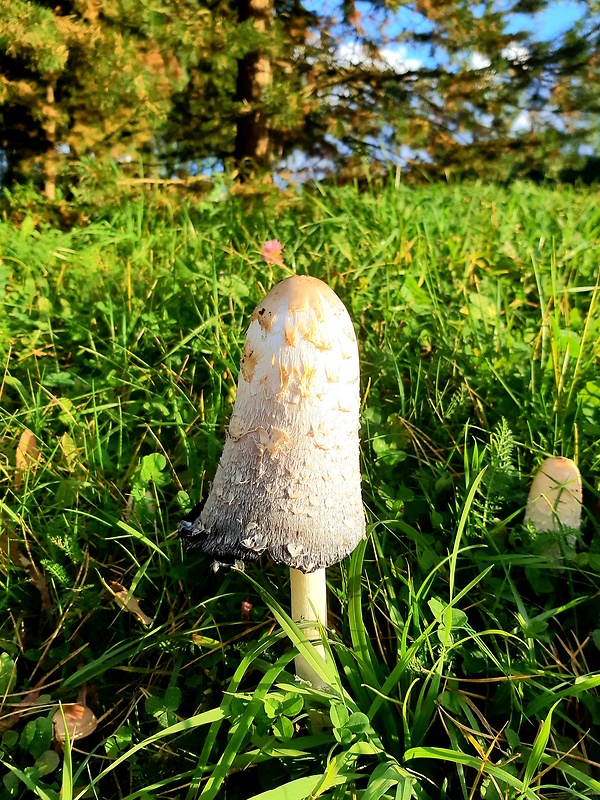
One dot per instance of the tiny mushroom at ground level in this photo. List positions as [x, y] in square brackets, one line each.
[75, 720]
[289, 478]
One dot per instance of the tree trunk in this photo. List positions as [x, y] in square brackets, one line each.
[49, 162]
[252, 141]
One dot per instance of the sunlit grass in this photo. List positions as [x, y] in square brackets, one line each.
[464, 660]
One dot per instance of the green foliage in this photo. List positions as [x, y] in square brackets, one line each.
[91, 79]
[461, 658]
[456, 89]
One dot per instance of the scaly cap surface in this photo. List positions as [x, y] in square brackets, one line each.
[289, 478]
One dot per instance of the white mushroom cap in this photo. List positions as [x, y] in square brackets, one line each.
[555, 496]
[289, 478]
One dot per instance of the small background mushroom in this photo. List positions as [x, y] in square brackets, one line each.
[554, 502]
[75, 719]
[555, 496]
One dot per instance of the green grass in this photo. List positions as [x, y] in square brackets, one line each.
[465, 657]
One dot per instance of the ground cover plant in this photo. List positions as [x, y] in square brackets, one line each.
[465, 648]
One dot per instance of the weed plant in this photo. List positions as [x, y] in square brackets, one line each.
[465, 652]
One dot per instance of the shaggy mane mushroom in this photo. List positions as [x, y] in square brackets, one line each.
[288, 482]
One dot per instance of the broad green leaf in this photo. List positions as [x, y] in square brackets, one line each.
[339, 715]
[152, 469]
[292, 704]
[8, 674]
[173, 698]
[283, 729]
[299, 789]
[47, 762]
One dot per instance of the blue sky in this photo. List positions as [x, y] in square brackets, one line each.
[386, 28]
[546, 25]
[552, 22]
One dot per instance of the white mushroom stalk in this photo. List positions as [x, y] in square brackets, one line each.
[554, 501]
[289, 478]
[309, 602]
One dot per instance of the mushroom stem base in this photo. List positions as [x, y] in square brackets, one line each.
[309, 604]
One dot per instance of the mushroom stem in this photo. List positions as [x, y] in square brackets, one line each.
[309, 602]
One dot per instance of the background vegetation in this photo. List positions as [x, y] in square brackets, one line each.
[173, 88]
[465, 647]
